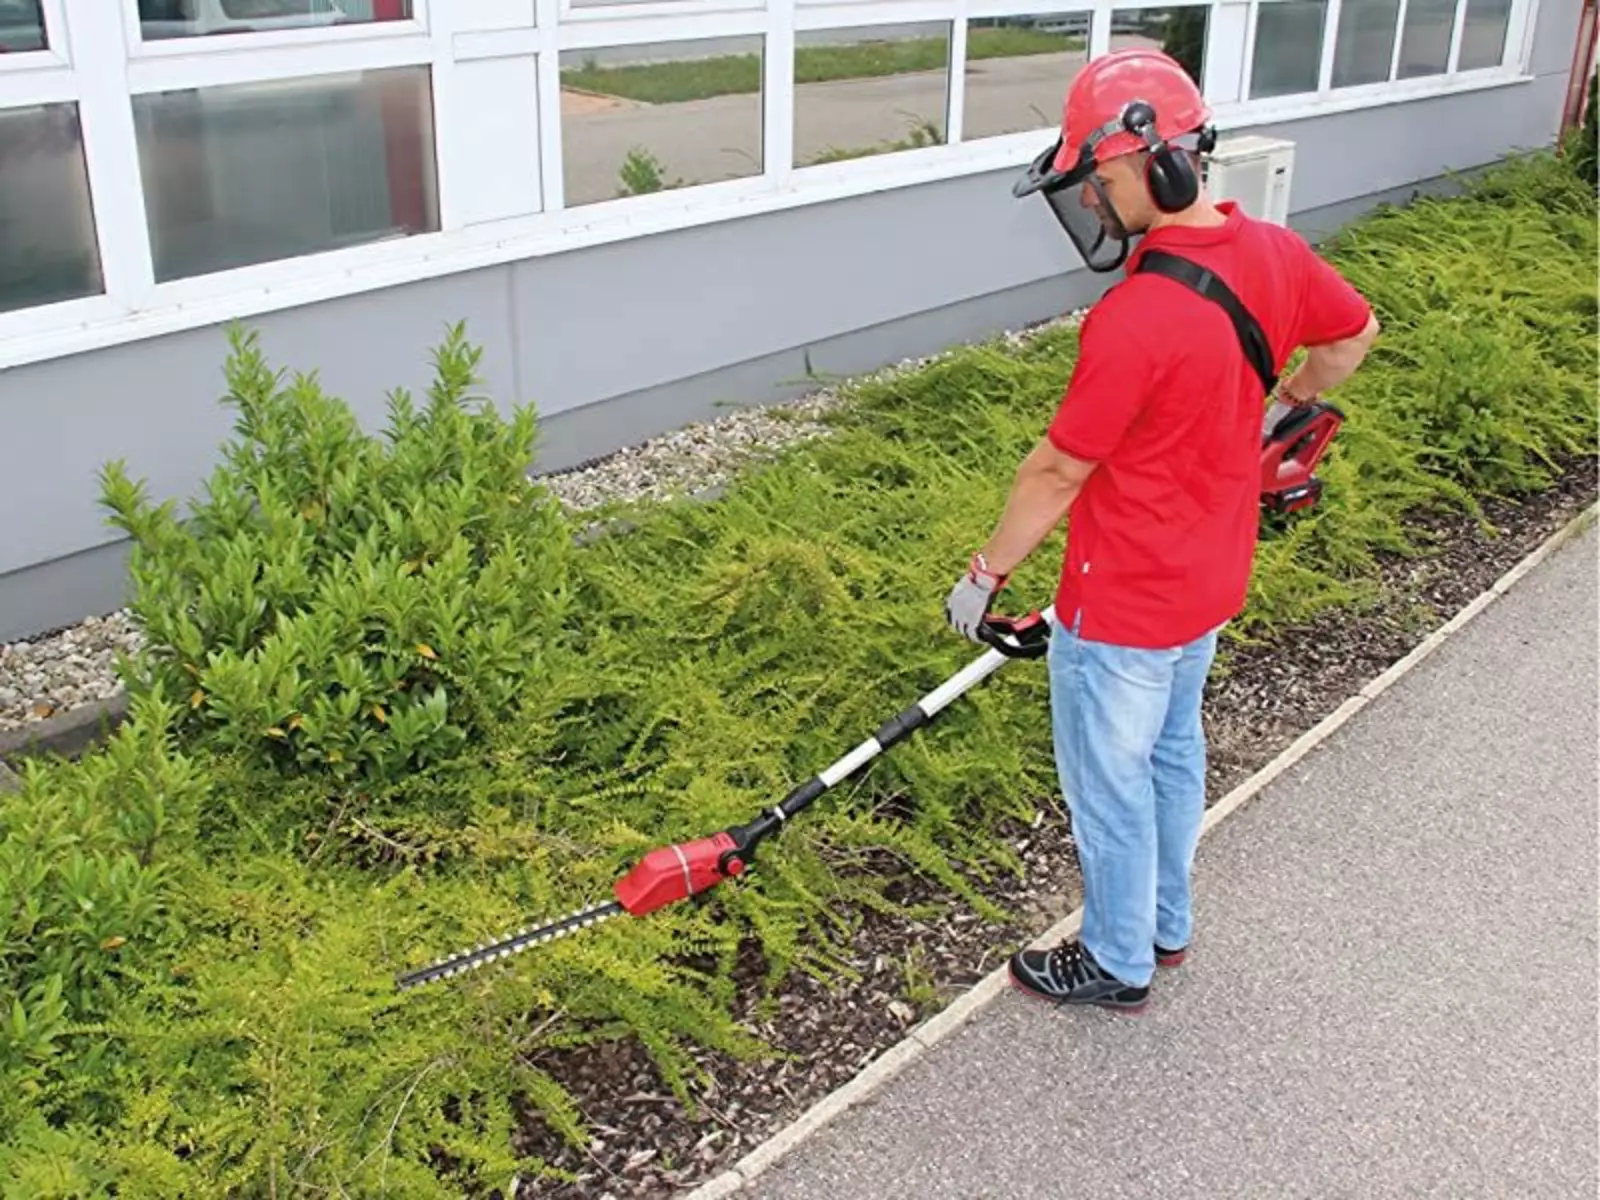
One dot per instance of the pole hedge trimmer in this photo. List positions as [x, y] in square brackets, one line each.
[672, 873]
[1292, 443]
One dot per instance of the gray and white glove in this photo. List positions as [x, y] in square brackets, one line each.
[969, 601]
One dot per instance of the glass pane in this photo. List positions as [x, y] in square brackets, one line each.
[1287, 57]
[651, 118]
[1365, 45]
[1179, 32]
[249, 173]
[1425, 38]
[1018, 71]
[867, 91]
[21, 27]
[1483, 39]
[47, 243]
[160, 19]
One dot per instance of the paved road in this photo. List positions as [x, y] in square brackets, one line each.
[1393, 992]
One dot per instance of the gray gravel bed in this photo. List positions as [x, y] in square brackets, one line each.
[65, 669]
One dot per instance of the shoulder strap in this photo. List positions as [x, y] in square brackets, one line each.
[1252, 338]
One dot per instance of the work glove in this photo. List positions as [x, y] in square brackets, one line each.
[969, 601]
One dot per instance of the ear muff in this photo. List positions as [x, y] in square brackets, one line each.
[1169, 173]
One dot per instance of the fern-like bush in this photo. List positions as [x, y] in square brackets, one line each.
[287, 819]
[345, 605]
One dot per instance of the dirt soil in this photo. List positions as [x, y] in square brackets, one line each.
[647, 1145]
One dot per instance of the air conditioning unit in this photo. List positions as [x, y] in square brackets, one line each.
[1255, 171]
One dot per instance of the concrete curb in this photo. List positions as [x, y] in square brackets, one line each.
[924, 1037]
[67, 734]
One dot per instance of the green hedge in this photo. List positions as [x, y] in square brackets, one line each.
[209, 912]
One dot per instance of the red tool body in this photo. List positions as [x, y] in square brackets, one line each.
[1293, 441]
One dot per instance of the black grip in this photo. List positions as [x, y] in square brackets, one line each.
[899, 727]
[1017, 637]
[803, 795]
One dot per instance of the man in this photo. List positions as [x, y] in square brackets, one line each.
[1155, 451]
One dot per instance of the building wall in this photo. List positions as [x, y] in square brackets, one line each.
[613, 343]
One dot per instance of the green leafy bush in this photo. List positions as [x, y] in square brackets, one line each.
[345, 605]
[246, 1039]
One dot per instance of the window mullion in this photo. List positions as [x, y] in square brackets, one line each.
[1456, 29]
[1330, 46]
[956, 98]
[111, 151]
[777, 87]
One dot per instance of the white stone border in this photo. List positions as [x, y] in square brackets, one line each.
[931, 1032]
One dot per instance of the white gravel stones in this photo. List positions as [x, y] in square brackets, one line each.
[62, 671]
[55, 673]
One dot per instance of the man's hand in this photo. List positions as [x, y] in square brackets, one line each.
[969, 601]
[1047, 483]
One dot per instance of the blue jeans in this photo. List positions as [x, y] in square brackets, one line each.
[1131, 755]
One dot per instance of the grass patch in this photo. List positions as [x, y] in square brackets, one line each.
[203, 918]
[738, 74]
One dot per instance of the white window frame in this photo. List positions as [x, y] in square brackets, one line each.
[101, 65]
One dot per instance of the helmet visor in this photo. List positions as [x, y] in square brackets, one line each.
[1087, 214]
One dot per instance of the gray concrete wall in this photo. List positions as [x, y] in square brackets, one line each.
[613, 344]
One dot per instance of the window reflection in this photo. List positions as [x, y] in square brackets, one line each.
[868, 91]
[21, 27]
[1178, 31]
[1019, 68]
[161, 19]
[651, 118]
[48, 251]
[250, 173]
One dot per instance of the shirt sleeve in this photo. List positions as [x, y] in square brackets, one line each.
[1331, 309]
[1110, 385]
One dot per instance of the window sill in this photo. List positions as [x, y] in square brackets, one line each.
[42, 334]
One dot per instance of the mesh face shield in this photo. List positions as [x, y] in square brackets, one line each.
[1082, 207]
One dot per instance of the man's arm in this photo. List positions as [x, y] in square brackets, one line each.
[1328, 365]
[1046, 484]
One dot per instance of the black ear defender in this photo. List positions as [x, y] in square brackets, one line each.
[1169, 173]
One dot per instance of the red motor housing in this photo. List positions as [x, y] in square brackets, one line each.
[674, 873]
[1292, 444]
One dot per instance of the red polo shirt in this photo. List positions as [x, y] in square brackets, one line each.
[1162, 538]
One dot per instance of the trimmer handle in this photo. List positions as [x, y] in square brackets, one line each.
[1016, 637]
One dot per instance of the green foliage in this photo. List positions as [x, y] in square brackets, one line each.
[343, 605]
[205, 915]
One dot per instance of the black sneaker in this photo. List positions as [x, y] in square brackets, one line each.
[1069, 975]
[1169, 958]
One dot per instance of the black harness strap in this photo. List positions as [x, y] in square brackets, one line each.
[1252, 338]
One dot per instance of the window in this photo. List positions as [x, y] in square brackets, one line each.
[637, 119]
[1483, 34]
[47, 236]
[869, 91]
[21, 27]
[1363, 49]
[1425, 38]
[1018, 70]
[1287, 55]
[1179, 32]
[254, 172]
[161, 19]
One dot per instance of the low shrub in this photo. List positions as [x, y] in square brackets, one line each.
[353, 607]
[598, 701]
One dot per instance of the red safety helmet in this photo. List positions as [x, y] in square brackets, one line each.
[1121, 103]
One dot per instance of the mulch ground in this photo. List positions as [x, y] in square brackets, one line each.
[646, 1144]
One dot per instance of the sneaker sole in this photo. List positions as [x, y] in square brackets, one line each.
[1129, 1010]
[1171, 960]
